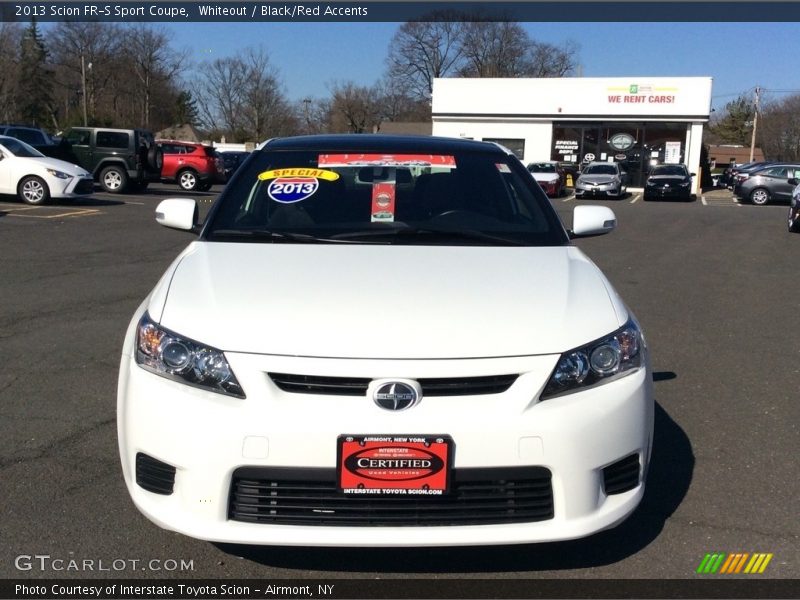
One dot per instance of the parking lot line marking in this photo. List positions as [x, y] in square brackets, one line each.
[137, 203]
[703, 200]
[12, 208]
[81, 213]
[568, 198]
[635, 198]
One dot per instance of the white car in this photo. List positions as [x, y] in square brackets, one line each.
[457, 373]
[35, 178]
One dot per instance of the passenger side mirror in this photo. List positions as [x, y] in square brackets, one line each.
[592, 220]
[178, 213]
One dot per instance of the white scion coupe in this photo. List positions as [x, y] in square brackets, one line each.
[35, 178]
[384, 341]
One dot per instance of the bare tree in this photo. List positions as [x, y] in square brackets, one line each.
[547, 60]
[242, 97]
[265, 111]
[494, 49]
[152, 61]
[354, 109]
[10, 35]
[779, 129]
[422, 51]
[83, 55]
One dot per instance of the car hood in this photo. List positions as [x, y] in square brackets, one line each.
[389, 301]
[60, 165]
[602, 178]
[545, 177]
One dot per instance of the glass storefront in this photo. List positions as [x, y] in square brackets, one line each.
[638, 146]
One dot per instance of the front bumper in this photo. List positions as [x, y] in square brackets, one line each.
[672, 191]
[206, 437]
[604, 189]
[74, 187]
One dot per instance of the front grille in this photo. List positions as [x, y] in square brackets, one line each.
[357, 386]
[84, 186]
[153, 475]
[621, 476]
[310, 497]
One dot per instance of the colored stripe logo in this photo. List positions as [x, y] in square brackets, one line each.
[737, 562]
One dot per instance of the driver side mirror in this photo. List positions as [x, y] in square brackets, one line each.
[178, 213]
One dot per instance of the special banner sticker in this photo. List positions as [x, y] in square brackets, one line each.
[299, 172]
[293, 185]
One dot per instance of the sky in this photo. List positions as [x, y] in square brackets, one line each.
[311, 56]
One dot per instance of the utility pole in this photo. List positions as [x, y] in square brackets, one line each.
[755, 125]
[83, 88]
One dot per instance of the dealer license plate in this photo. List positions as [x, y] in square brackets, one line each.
[394, 464]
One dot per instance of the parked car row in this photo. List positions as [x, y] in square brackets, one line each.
[120, 160]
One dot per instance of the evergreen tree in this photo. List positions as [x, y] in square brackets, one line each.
[735, 126]
[34, 87]
[186, 109]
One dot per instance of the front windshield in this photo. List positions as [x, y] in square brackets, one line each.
[19, 148]
[601, 170]
[542, 168]
[669, 170]
[461, 198]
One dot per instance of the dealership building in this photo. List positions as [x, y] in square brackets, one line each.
[636, 121]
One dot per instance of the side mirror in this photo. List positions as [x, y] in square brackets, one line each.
[692, 174]
[793, 181]
[592, 220]
[178, 213]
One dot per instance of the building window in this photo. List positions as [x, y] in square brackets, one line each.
[516, 146]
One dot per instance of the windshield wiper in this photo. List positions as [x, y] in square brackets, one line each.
[257, 235]
[404, 234]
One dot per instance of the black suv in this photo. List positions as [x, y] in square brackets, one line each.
[119, 159]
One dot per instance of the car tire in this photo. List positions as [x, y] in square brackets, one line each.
[794, 221]
[759, 196]
[114, 179]
[33, 190]
[155, 157]
[188, 180]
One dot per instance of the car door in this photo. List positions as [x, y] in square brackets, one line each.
[784, 189]
[80, 147]
[6, 167]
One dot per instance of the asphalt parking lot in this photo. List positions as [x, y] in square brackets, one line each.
[713, 282]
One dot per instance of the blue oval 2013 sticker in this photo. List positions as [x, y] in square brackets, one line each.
[292, 189]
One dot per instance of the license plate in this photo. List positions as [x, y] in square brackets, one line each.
[400, 465]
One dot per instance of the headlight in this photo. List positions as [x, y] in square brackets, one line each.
[175, 357]
[59, 174]
[686, 184]
[650, 182]
[603, 360]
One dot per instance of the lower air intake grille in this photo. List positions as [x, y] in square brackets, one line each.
[622, 476]
[310, 497]
[153, 475]
[357, 386]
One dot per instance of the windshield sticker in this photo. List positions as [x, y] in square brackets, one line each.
[299, 172]
[503, 167]
[386, 160]
[287, 190]
[383, 202]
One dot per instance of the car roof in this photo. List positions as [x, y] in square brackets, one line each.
[380, 143]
